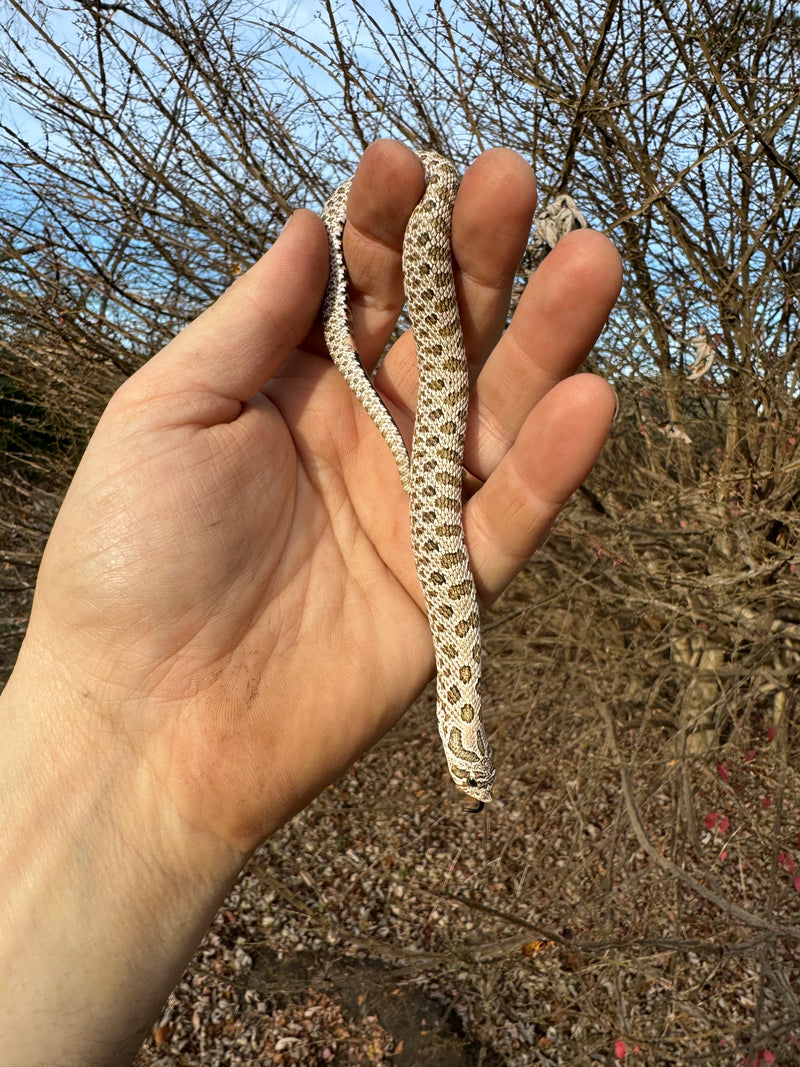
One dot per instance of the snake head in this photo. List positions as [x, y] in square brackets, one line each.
[476, 785]
[470, 764]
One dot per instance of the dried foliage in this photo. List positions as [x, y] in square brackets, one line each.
[642, 673]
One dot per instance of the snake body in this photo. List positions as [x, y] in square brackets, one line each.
[433, 476]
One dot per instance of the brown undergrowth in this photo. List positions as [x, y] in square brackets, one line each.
[634, 891]
[625, 897]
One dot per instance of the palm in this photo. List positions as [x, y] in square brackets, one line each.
[240, 569]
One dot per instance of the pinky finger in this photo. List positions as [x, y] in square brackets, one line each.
[557, 446]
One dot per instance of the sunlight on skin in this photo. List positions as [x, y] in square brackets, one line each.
[227, 612]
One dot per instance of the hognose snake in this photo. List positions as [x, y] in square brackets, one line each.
[433, 475]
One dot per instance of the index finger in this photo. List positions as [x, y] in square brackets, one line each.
[491, 223]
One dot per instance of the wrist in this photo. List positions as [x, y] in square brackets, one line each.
[106, 890]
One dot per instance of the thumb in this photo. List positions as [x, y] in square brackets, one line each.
[235, 346]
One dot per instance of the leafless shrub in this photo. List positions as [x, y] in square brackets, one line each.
[153, 156]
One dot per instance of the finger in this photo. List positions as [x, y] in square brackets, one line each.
[491, 223]
[558, 319]
[555, 449]
[491, 226]
[236, 345]
[386, 187]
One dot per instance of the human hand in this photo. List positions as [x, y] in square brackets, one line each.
[227, 612]
[231, 575]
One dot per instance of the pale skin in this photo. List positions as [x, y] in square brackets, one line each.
[227, 613]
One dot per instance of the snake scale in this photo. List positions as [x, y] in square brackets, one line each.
[433, 475]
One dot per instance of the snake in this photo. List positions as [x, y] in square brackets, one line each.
[433, 473]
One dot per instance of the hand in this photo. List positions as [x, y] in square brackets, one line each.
[227, 612]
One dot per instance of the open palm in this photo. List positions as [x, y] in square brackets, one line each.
[232, 567]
